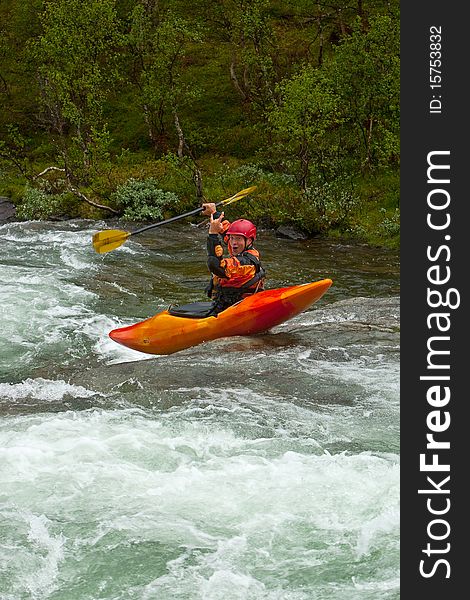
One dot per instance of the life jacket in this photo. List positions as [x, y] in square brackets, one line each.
[241, 276]
[228, 291]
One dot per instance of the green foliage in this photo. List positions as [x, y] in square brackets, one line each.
[231, 177]
[158, 41]
[365, 73]
[294, 97]
[38, 204]
[304, 124]
[142, 200]
[77, 58]
[247, 27]
[14, 150]
[334, 204]
[253, 46]
[390, 224]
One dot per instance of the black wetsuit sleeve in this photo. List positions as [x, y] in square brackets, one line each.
[213, 261]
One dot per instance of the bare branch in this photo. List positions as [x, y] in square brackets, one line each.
[74, 190]
[236, 83]
[5, 86]
[82, 196]
[181, 140]
[47, 169]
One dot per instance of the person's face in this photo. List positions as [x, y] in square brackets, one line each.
[237, 243]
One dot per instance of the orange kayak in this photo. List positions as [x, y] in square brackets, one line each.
[165, 333]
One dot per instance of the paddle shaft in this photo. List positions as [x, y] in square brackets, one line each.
[172, 219]
[166, 221]
[105, 241]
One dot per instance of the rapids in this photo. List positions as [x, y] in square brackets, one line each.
[245, 468]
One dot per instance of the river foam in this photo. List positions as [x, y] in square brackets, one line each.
[146, 481]
[47, 309]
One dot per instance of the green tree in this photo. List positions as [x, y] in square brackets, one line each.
[18, 92]
[77, 57]
[159, 40]
[304, 124]
[365, 73]
[246, 26]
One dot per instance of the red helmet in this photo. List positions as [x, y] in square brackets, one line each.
[242, 227]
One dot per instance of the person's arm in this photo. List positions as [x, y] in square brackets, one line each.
[215, 251]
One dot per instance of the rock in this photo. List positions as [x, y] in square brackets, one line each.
[290, 232]
[7, 210]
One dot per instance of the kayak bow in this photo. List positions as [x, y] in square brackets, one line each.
[165, 333]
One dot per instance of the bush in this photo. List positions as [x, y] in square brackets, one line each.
[390, 226]
[142, 200]
[334, 204]
[38, 204]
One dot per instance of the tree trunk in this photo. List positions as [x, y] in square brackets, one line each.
[181, 140]
[236, 83]
[369, 142]
[197, 177]
[341, 23]
[196, 171]
[304, 167]
[5, 86]
[360, 9]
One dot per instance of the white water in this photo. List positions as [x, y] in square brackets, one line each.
[251, 468]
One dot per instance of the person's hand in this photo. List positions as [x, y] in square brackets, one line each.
[209, 209]
[216, 225]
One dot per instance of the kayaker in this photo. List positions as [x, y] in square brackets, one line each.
[241, 273]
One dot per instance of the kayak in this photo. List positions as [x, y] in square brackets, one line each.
[166, 333]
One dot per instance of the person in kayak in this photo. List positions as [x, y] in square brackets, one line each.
[241, 273]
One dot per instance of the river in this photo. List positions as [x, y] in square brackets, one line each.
[256, 468]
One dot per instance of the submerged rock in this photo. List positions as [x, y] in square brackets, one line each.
[290, 232]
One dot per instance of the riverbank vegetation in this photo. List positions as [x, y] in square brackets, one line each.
[142, 109]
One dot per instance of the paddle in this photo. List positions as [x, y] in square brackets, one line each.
[110, 239]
